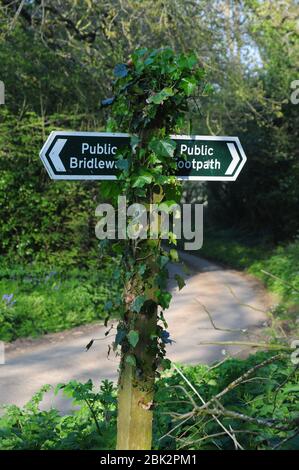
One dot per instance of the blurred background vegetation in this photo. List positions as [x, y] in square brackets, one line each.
[57, 59]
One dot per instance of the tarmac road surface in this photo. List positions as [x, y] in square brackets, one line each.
[214, 297]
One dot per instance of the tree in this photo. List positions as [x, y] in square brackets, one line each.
[249, 50]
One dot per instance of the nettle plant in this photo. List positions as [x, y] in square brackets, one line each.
[151, 95]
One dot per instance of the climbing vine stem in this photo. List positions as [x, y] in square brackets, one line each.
[150, 102]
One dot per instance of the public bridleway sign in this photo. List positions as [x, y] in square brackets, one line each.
[93, 156]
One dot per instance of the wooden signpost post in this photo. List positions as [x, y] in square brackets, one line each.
[150, 103]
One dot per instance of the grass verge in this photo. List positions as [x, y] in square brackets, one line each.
[35, 300]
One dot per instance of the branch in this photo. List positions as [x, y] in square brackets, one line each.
[243, 377]
[202, 400]
[288, 284]
[231, 330]
[243, 304]
[272, 423]
[275, 347]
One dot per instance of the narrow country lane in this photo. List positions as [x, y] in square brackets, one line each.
[213, 297]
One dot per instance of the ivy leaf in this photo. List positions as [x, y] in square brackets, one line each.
[117, 248]
[208, 89]
[165, 364]
[108, 305]
[108, 101]
[161, 96]
[134, 141]
[142, 269]
[172, 239]
[122, 164]
[131, 360]
[140, 192]
[162, 179]
[180, 281]
[165, 337]
[142, 180]
[133, 337]
[138, 303]
[291, 388]
[168, 206]
[212, 382]
[163, 260]
[164, 298]
[163, 148]
[116, 272]
[120, 335]
[174, 256]
[120, 70]
[187, 62]
[188, 85]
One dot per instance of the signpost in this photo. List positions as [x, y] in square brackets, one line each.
[93, 156]
[66, 155]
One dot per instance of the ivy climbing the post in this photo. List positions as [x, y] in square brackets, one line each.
[151, 95]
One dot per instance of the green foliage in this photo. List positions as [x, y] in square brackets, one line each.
[189, 85]
[92, 427]
[180, 281]
[29, 71]
[138, 303]
[163, 148]
[133, 337]
[255, 256]
[270, 394]
[131, 360]
[41, 220]
[152, 94]
[249, 100]
[150, 101]
[251, 68]
[282, 262]
[49, 300]
[161, 96]
[254, 103]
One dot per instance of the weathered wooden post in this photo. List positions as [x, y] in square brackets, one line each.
[136, 388]
[150, 102]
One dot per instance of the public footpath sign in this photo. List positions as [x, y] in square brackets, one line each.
[93, 156]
